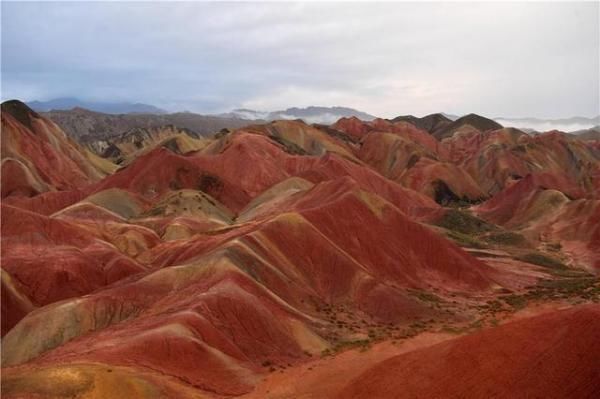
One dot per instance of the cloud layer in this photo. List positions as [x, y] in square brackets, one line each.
[501, 59]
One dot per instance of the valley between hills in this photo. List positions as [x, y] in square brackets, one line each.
[402, 258]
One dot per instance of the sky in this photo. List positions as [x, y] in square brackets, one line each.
[496, 59]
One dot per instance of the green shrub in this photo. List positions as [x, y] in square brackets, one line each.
[464, 240]
[288, 146]
[465, 223]
[516, 301]
[542, 260]
[555, 246]
[506, 238]
[425, 296]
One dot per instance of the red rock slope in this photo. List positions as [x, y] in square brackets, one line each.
[37, 156]
[195, 274]
[554, 355]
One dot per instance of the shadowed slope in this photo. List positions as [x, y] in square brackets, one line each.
[431, 123]
[472, 120]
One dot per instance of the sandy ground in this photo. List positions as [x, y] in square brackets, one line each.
[326, 376]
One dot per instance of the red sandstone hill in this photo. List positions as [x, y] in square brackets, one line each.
[229, 287]
[37, 156]
[48, 259]
[498, 158]
[197, 269]
[550, 207]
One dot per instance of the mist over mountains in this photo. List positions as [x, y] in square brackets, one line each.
[571, 125]
[310, 114]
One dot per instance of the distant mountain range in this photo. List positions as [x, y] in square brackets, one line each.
[67, 103]
[325, 115]
[329, 115]
[315, 114]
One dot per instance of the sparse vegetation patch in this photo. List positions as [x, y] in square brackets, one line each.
[542, 260]
[506, 238]
[463, 222]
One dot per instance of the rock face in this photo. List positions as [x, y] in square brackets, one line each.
[196, 267]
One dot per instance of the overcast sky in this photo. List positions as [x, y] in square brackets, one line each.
[503, 59]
